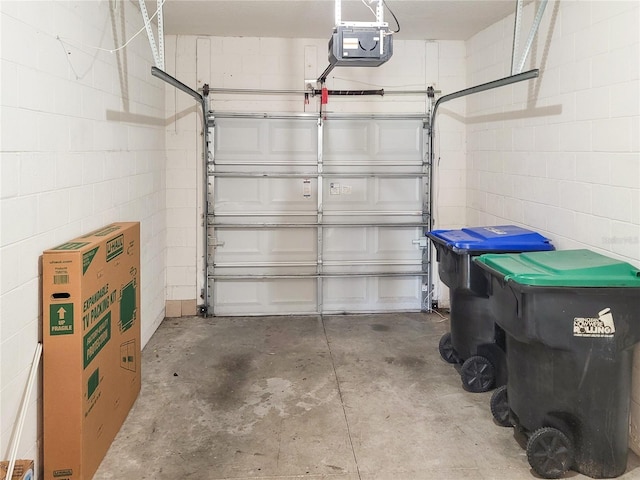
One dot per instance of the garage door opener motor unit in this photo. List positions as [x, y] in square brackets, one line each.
[360, 44]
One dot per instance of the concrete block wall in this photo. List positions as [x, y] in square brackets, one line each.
[561, 154]
[184, 150]
[280, 63]
[82, 144]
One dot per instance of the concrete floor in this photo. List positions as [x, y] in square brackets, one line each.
[341, 398]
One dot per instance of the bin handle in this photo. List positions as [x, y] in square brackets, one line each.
[518, 302]
[499, 275]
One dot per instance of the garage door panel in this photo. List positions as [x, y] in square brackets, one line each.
[364, 267]
[291, 193]
[238, 140]
[398, 193]
[260, 272]
[372, 194]
[347, 192]
[266, 245]
[267, 174]
[346, 139]
[368, 169]
[237, 194]
[372, 141]
[293, 141]
[342, 243]
[265, 140]
[399, 291]
[397, 243]
[293, 242]
[238, 243]
[398, 140]
[243, 218]
[265, 194]
[265, 297]
[343, 292]
[254, 169]
[229, 295]
[389, 218]
[371, 243]
[293, 293]
[371, 294]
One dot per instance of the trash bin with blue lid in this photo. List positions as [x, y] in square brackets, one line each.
[474, 340]
[571, 320]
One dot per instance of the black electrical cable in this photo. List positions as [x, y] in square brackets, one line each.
[393, 15]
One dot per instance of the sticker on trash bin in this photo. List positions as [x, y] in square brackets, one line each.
[495, 230]
[602, 326]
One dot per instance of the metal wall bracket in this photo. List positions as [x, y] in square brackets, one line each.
[519, 66]
[421, 242]
[158, 51]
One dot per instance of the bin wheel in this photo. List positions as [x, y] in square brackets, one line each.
[550, 452]
[447, 352]
[500, 407]
[477, 374]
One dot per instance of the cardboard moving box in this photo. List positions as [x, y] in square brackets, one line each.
[91, 346]
[22, 470]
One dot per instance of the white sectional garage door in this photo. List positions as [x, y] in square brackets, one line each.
[310, 215]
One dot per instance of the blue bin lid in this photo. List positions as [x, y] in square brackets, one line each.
[500, 238]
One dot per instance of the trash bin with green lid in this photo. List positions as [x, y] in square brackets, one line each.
[474, 340]
[571, 320]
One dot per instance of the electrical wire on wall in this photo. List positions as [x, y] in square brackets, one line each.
[435, 207]
[65, 42]
[435, 168]
[435, 155]
[175, 90]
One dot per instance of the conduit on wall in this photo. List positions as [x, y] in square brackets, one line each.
[13, 451]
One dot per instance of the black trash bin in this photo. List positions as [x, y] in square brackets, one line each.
[475, 342]
[572, 319]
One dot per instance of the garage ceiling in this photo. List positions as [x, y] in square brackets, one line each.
[419, 20]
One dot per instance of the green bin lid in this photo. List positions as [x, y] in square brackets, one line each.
[563, 268]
